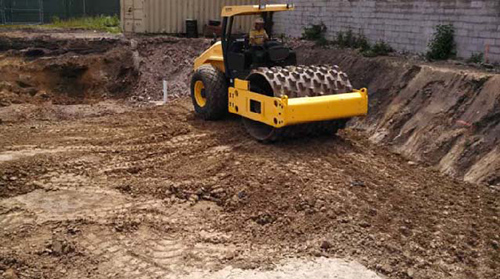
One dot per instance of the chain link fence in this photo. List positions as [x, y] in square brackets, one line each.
[21, 11]
[45, 11]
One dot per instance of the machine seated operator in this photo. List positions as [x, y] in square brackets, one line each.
[258, 36]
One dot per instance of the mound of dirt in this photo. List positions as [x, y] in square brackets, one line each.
[166, 58]
[444, 116]
[69, 71]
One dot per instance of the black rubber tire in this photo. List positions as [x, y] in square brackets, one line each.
[215, 83]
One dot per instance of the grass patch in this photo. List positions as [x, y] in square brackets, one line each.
[380, 48]
[103, 23]
[316, 33]
[348, 39]
[476, 58]
[100, 23]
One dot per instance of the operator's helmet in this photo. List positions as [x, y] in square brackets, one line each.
[259, 20]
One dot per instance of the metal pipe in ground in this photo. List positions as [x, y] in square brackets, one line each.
[165, 91]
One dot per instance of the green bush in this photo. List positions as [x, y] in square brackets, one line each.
[322, 42]
[314, 32]
[362, 43]
[380, 48]
[348, 39]
[476, 58]
[344, 39]
[442, 46]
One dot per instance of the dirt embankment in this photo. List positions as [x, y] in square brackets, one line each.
[439, 115]
[68, 70]
[166, 58]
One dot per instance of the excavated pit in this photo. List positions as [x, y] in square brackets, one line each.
[64, 71]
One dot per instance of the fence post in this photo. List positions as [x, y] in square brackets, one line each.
[40, 3]
[2, 13]
[84, 8]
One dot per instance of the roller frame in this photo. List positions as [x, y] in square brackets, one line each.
[281, 112]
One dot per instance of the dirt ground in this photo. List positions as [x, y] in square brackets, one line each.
[115, 187]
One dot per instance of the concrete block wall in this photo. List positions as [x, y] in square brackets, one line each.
[407, 25]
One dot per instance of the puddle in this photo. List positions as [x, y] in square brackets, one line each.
[15, 155]
[296, 269]
[68, 202]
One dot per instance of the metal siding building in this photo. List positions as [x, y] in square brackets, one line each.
[169, 16]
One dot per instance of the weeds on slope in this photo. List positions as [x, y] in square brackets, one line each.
[99, 23]
[346, 39]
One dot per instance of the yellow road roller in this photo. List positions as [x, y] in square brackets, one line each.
[258, 78]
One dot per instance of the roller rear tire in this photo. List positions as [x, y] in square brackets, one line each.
[209, 93]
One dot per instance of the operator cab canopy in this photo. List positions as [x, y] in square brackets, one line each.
[230, 11]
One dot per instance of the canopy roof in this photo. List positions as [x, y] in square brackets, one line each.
[228, 11]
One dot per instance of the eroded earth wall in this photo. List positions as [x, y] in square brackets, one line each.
[436, 114]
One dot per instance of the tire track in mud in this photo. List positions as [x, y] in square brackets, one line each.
[152, 252]
[67, 189]
[166, 151]
[139, 256]
[79, 197]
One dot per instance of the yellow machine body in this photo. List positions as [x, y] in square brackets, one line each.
[281, 112]
[212, 56]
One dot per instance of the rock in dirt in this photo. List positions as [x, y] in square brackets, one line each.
[364, 224]
[263, 218]
[133, 44]
[10, 274]
[385, 268]
[410, 272]
[358, 183]
[61, 247]
[495, 244]
[326, 245]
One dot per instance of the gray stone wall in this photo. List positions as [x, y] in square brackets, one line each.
[407, 25]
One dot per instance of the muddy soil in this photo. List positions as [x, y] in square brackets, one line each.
[158, 192]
